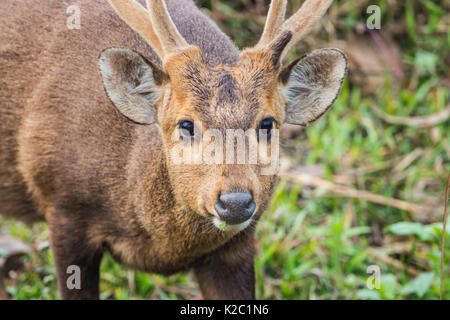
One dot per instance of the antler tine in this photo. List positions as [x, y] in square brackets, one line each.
[279, 37]
[304, 19]
[274, 21]
[171, 40]
[137, 18]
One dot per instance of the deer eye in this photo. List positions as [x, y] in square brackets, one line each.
[267, 126]
[186, 128]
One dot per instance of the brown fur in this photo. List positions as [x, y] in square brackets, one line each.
[103, 182]
[95, 193]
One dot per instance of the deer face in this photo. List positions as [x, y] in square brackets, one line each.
[208, 108]
[205, 112]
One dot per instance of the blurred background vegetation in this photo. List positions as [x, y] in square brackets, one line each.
[362, 186]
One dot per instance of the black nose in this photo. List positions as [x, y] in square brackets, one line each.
[236, 207]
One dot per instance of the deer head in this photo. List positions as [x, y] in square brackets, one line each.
[186, 97]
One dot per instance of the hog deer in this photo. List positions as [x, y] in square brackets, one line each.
[87, 117]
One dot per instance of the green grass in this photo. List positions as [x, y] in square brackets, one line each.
[310, 244]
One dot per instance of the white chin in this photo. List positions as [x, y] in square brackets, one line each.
[231, 227]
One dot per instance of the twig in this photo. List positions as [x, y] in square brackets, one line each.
[349, 192]
[131, 285]
[417, 122]
[444, 231]
[408, 159]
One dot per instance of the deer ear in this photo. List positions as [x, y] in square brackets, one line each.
[311, 84]
[133, 83]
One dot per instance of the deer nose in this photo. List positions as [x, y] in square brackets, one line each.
[236, 207]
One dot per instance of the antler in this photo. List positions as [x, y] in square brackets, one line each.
[172, 41]
[274, 21]
[305, 18]
[154, 25]
[137, 18]
[298, 24]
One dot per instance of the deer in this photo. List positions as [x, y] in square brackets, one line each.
[87, 123]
